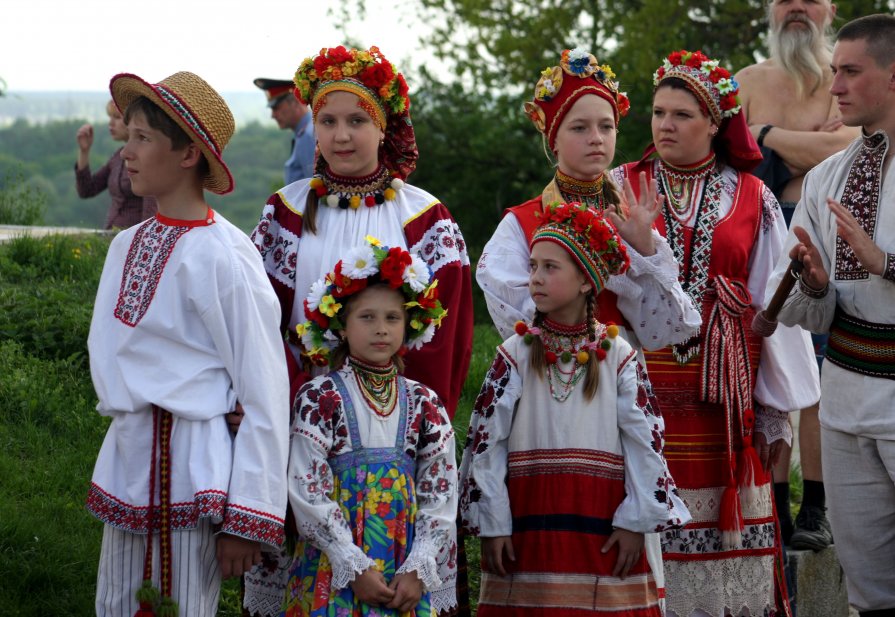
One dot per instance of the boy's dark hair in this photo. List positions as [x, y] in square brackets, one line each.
[162, 122]
[879, 33]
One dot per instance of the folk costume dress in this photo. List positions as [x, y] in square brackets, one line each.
[182, 329]
[370, 489]
[727, 231]
[414, 220]
[557, 473]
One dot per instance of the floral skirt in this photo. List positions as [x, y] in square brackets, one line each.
[378, 501]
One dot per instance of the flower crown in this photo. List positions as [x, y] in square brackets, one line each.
[591, 240]
[706, 74]
[368, 68]
[582, 64]
[367, 265]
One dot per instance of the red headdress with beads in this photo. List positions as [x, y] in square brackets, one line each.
[559, 87]
[718, 94]
[380, 88]
[588, 237]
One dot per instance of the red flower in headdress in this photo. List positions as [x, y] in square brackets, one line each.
[339, 54]
[343, 285]
[316, 316]
[675, 57]
[392, 268]
[695, 60]
[377, 75]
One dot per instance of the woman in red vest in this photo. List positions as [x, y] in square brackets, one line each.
[576, 108]
[725, 393]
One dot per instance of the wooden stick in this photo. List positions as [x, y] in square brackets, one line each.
[765, 322]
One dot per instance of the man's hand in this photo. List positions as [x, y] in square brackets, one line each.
[408, 590]
[370, 588]
[813, 273]
[236, 555]
[630, 548]
[637, 229]
[869, 254]
[493, 552]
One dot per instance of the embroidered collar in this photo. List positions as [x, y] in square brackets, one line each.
[696, 171]
[346, 192]
[171, 222]
[588, 192]
[875, 140]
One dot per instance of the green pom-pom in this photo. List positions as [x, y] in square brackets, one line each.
[566, 356]
[147, 593]
[528, 337]
[606, 344]
[167, 608]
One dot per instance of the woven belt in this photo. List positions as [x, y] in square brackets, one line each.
[862, 346]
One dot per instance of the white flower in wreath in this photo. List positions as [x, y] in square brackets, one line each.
[417, 274]
[708, 66]
[725, 86]
[360, 263]
[422, 339]
[316, 293]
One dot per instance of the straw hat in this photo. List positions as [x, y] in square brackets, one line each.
[196, 107]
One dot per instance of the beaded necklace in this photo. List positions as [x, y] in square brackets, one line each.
[564, 344]
[345, 192]
[694, 271]
[377, 384]
[588, 192]
[678, 184]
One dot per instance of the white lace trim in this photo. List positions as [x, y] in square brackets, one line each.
[773, 424]
[258, 602]
[264, 588]
[442, 600]
[715, 586]
[425, 567]
[347, 567]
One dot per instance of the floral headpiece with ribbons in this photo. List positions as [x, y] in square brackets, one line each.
[363, 266]
[588, 237]
[381, 90]
[709, 81]
[579, 73]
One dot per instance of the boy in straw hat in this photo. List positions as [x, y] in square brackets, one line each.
[183, 327]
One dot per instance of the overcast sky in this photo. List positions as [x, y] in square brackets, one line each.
[64, 45]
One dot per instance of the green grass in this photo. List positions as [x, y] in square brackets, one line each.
[50, 432]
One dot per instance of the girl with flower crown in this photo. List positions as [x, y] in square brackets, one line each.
[365, 151]
[372, 471]
[562, 473]
[576, 108]
[726, 392]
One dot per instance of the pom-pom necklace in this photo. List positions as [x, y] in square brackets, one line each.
[565, 344]
[344, 192]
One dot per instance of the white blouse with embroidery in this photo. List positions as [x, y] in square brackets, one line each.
[185, 319]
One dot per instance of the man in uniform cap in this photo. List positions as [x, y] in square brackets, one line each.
[291, 114]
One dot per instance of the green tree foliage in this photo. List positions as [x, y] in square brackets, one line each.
[501, 45]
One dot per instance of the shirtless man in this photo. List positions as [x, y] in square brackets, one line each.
[796, 121]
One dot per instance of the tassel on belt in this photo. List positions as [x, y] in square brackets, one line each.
[727, 380]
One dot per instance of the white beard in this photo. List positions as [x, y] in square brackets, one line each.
[803, 54]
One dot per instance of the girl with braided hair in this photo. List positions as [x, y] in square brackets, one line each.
[562, 473]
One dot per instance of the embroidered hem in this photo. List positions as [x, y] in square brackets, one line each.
[237, 520]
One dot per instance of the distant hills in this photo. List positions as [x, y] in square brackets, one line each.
[42, 107]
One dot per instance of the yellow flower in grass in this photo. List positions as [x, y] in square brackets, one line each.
[329, 306]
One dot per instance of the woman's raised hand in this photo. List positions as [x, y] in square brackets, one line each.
[637, 228]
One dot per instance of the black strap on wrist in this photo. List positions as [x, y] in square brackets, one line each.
[761, 134]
